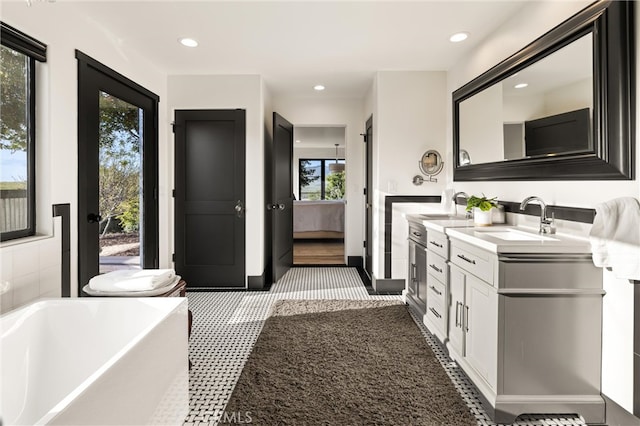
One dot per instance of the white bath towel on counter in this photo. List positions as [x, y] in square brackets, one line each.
[615, 237]
[132, 280]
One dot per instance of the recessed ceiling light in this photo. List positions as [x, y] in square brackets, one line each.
[189, 42]
[457, 37]
[298, 141]
[318, 87]
[520, 85]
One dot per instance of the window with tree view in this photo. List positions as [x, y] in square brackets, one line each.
[18, 55]
[319, 182]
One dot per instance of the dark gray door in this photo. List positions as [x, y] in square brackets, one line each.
[209, 197]
[281, 205]
[368, 258]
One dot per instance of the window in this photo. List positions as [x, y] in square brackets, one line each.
[18, 56]
[318, 182]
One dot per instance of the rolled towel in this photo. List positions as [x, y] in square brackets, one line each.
[132, 280]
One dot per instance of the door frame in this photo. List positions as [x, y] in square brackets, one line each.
[94, 76]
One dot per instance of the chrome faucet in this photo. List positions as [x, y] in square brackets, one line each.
[466, 196]
[547, 225]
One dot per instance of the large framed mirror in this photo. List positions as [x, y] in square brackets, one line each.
[562, 108]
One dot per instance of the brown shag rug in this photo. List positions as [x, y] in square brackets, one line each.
[343, 362]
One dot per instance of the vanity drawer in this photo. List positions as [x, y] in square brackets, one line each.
[436, 316]
[438, 243]
[437, 266]
[418, 233]
[436, 290]
[479, 262]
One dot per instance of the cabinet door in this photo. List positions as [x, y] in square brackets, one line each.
[456, 309]
[481, 327]
[421, 276]
[411, 273]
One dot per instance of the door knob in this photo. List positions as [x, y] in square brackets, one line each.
[94, 218]
[239, 208]
[275, 206]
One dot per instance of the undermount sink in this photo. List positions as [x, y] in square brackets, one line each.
[515, 235]
[510, 239]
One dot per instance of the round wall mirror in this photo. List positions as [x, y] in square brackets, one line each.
[431, 163]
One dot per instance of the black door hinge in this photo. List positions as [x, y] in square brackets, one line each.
[364, 191]
[173, 193]
[364, 244]
[173, 257]
[173, 126]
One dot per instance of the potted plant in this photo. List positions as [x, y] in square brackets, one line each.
[481, 208]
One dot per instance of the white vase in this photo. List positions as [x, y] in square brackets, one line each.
[481, 218]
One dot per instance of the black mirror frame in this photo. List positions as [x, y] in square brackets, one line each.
[613, 154]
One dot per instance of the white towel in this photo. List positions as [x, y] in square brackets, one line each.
[615, 237]
[132, 280]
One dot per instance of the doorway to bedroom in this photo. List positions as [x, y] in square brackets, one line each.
[319, 195]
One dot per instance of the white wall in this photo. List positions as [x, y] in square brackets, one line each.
[570, 98]
[59, 26]
[409, 119]
[532, 21]
[231, 92]
[320, 111]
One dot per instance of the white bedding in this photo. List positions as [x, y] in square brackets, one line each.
[323, 215]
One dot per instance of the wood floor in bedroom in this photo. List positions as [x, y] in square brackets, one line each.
[318, 252]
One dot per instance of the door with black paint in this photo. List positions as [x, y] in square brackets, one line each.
[117, 127]
[210, 197]
[281, 204]
[368, 258]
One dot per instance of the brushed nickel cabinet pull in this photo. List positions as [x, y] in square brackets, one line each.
[466, 259]
[435, 268]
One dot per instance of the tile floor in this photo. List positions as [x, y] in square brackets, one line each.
[227, 324]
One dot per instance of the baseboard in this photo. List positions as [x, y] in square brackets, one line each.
[388, 285]
[355, 261]
[615, 415]
[256, 282]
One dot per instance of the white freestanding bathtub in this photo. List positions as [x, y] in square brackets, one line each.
[95, 361]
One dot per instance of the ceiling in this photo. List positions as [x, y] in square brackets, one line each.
[297, 44]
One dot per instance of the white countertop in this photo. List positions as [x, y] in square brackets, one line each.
[441, 225]
[516, 239]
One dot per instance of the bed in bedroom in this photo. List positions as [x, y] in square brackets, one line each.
[318, 219]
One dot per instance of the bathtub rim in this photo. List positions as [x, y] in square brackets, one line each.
[174, 306]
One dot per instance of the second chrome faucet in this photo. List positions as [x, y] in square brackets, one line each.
[547, 225]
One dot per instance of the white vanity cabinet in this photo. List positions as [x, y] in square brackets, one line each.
[514, 318]
[473, 325]
[435, 317]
